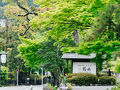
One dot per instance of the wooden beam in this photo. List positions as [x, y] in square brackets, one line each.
[67, 66]
[71, 66]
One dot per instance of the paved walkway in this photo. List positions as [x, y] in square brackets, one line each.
[21, 88]
[92, 87]
[73, 88]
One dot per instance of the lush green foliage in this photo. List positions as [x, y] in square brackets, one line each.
[82, 79]
[117, 65]
[101, 74]
[10, 39]
[4, 75]
[106, 24]
[107, 80]
[69, 86]
[41, 54]
[49, 87]
[62, 17]
[2, 16]
[28, 50]
[88, 17]
[33, 76]
[116, 87]
[102, 49]
[88, 79]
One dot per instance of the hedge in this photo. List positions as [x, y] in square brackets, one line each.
[82, 79]
[90, 79]
[100, 75]
[107, 80]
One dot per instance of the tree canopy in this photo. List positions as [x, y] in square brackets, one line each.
[63, 17]
[96, 22]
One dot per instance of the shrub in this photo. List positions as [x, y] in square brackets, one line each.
[108, 80]
[116, 87]
[12, 75]
[4, 75]
[100, 75]
[69, 86]
[49, 87]
[33, 76]
[81, 79]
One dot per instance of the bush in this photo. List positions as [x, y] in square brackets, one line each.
[33, 76]
[116, 87]
[107, 80]
[49, 87]
[69, 86]
[100, 75]
[82, 79]
[12, 75]
[4, 75]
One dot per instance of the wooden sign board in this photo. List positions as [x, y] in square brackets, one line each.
[84, 67]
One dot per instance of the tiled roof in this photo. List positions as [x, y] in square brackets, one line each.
[76, 56]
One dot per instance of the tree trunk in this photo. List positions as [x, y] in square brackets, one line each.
[6, 35]
[76, 36]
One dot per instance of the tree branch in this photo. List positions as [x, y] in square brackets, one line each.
[21, 6]
[25, 15]
[22, 34]
[27, 11]
[27, 19]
